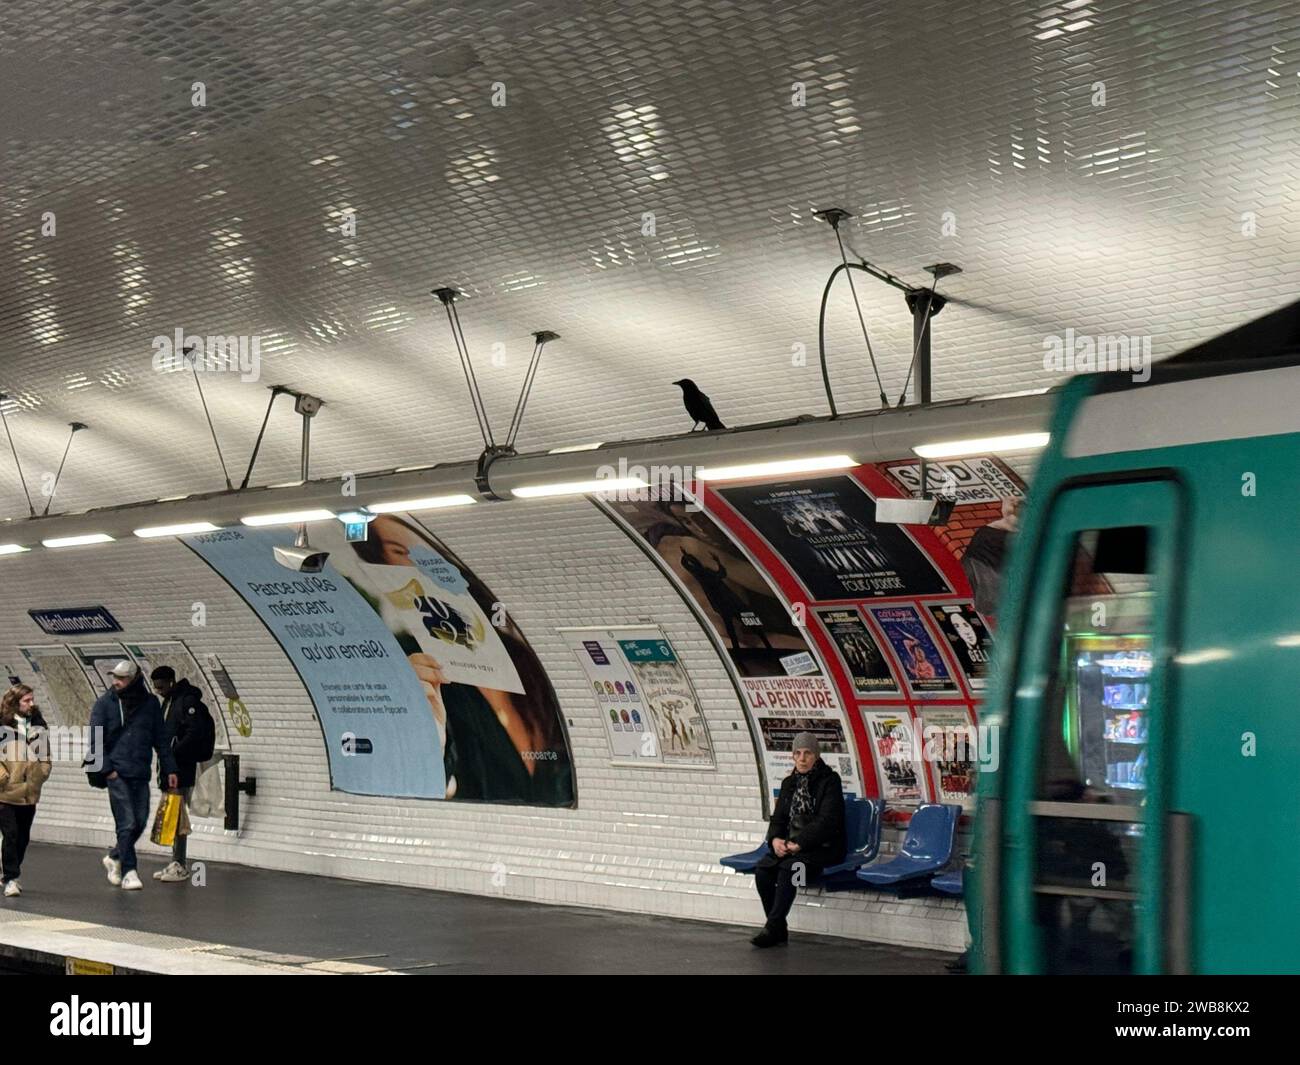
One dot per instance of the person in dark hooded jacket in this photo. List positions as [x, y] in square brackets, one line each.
[126, 728]
[191, 735]
[806, 834]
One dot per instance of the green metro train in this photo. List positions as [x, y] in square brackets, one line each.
[1145, 815]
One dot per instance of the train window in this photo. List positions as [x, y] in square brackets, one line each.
[1095, 723]
[1092, 754]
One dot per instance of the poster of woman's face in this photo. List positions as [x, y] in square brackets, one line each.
[967, 637]
[502, 731]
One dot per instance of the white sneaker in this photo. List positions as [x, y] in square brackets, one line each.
[114, 869]
[131, 882]
[173, 873]
[12, 888]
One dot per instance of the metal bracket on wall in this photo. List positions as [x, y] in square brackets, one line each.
[233, 787]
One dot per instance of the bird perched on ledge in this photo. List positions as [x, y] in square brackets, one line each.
[698, 406]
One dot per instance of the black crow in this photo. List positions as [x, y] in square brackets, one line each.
[698, 406]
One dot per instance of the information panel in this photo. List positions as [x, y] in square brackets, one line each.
[646, 701]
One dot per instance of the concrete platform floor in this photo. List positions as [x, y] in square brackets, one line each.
[304, 920]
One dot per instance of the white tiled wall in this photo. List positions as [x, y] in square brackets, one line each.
[644, 840]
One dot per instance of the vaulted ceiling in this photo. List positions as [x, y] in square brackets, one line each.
[638, 177]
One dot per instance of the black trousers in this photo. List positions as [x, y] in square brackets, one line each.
[16, 826]
[778, 882]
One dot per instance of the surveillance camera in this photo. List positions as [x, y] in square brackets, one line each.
[302, 559]
[914, 511]
[904, 511]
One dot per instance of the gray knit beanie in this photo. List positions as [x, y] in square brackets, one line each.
[806, 741]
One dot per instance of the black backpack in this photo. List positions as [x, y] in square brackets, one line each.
[209, 735]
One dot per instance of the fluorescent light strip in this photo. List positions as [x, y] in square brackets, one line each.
[184, 529]
[777, 468]
[575, 447]
[289, 517]
[13, 549]
[428, 503]
[1014, 395]
[78, 541]
[573, 488]
[953, 448]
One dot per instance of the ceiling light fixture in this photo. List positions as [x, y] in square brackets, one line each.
[574, 488]
[13, 549]
[428, 503]
[776, 468]
[78, 541]
[183, 529]
[953, 448]
[576, 447]
[288, 517]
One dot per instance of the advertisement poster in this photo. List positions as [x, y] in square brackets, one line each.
[825, 530]
[381, 737]
[968, 639]
[866, 666]
[983, 479]
[785, 706]
[751, 621]
[923, 665]
[894, 746]
[683, 735]
[631, 734]
[645, 699]
[421, 597]
[418, 693]
[63, 692]
[950, 746]
[175, 654]
[767, 649]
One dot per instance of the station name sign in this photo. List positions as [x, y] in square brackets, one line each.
[75, 621]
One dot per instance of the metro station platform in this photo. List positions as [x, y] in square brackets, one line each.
[249, 921]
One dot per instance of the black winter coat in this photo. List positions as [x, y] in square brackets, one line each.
[822, 839]
[190, 730]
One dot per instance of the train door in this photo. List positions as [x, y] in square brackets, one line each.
[1085, 838]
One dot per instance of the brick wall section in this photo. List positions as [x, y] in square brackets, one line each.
[640, 840]
[965, 520]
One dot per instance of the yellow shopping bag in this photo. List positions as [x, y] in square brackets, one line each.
[168, 817]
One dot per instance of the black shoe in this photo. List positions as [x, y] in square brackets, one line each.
[770, 937]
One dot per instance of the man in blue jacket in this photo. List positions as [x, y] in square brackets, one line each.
[126, 724]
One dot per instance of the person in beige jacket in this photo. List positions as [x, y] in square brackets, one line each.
[24, 768]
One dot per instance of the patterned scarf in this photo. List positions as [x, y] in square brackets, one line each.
[801, 803]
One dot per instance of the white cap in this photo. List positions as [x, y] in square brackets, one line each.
[123, 669]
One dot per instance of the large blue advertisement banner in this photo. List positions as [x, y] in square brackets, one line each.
[380, 734]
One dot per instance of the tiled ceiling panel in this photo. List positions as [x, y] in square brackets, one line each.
[639, 178]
